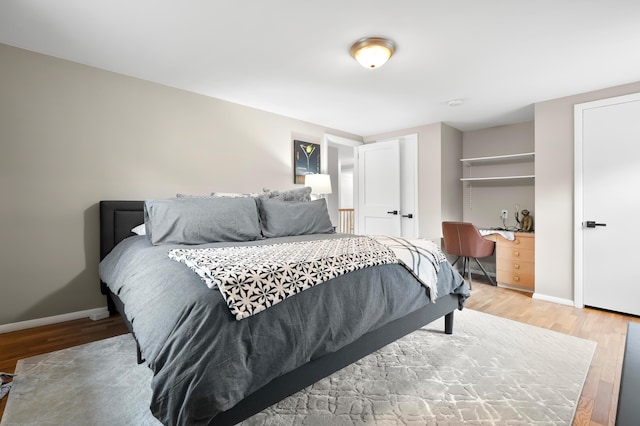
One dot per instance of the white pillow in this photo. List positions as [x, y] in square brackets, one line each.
[231, 195]
[140, 230]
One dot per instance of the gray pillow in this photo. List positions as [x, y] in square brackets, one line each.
[201, 220]
[281, 219]
[298, 194]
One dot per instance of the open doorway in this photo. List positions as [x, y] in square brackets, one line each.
[340, 163]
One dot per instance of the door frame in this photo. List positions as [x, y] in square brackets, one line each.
[578, 188]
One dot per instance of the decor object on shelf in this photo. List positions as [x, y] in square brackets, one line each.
[372, 52]
[306, 160]
[320, 183]
[526, 223]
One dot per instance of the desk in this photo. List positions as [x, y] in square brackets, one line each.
[515, 260]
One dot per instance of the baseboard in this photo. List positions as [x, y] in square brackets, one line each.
[94, 314]
[515, 287]
[553, 299]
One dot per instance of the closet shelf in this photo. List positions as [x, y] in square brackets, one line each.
[526, 156]
[495, 178]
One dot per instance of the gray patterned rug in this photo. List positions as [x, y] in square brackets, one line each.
[491, 371]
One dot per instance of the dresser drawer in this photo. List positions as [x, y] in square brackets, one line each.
[514, 277]
[523, 241]
[515, 253]
[516, 266]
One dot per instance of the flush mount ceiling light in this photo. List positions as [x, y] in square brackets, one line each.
[372, 52]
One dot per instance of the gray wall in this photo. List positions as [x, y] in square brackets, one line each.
[72, 135]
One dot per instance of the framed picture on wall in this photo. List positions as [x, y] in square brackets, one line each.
[306, 160]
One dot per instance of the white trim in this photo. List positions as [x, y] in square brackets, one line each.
[94, 314]
[416, 184]
[409, 178]
[578, 253]
[514, 287]
[577, 205]
[338, 140]
[342, 140]
[553, 299]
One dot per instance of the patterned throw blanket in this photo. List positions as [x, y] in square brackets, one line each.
[420, 257]
[253, 278]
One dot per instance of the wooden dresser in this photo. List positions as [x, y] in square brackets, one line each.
[515, 260]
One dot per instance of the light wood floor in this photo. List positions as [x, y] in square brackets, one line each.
[597, 404]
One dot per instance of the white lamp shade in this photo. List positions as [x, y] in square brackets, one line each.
[320, 184]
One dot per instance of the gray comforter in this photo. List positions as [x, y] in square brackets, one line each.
[205, 361]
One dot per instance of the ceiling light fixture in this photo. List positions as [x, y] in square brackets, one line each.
[455, 102]
[372, 52]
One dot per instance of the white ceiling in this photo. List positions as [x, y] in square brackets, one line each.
[291, 56]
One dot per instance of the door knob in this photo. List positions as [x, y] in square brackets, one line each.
[593, 224]
[410, 215]
[393, 212]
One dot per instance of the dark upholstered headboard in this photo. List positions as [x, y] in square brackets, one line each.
[117, 218]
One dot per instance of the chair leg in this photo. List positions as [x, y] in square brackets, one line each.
[485, 272]
[456, 261]
[468, 266]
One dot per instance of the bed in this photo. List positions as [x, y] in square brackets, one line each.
[179, 324]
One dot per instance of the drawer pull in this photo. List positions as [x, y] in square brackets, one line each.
[516, 266]
[516, 278]
[516, 253]
[516, 241]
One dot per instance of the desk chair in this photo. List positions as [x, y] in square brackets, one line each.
[462, 239]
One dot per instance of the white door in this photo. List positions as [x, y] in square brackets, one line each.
[379, 188]
[409, 186]
[610, 143]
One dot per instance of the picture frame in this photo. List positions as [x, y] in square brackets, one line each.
[306, 160]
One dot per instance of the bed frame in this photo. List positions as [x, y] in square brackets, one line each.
[117, 218]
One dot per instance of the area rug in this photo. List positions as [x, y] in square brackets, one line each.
[491, 371]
